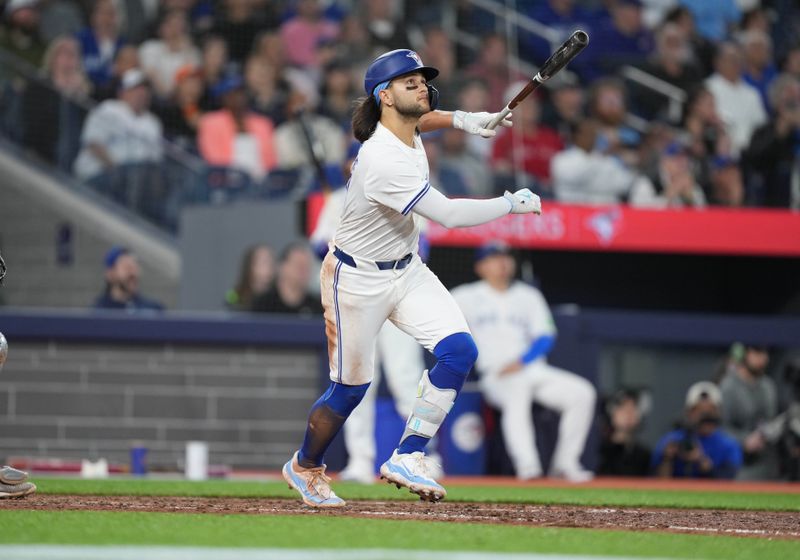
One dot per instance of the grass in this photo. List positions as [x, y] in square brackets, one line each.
[312, 531]
[537, 495]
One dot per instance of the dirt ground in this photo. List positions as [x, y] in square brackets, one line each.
[763, 524]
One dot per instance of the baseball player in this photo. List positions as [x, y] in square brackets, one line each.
[373, 273]
[399, 355]
[514, 331]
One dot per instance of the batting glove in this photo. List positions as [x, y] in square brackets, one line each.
[476, 123]
[523, 202]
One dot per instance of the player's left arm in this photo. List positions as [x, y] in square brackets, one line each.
[543, 331]
[473, 123]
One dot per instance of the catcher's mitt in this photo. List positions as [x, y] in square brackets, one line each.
[14, 483]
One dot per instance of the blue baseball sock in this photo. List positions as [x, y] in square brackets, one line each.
[326, 418]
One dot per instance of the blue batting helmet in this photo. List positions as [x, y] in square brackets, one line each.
[396, 63]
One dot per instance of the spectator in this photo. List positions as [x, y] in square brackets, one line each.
[529, 146]
[235, 136]
[621, 39]
[385, 28]
[492, 69]
[715, 18]
[137, 17]
[707, 134]
[240, 23]
[773, 149]
[60, 17]
[460, 172]
[582, 175]
[306, 136]
[608, 105]
[267, 90]
[514, 332]
[791, 62]
[127, 58]
[738, 102]
[100, 42]
[215, 66]
[290, 293]
[759, 67]
[122, 284]
[439, 52]
[161, 58]
[672, 62]
[120, 131]
[338, 92]
[21, 34]
[305, 31]
[620, 452]
[565, 104]
[473, 96]
[749, 401]
[654, 12]
[703, 48]
[256, 276]
[698, 449]
[673, 184]
[52, 122]
[354, 42]
[180, 115]
[727, 183]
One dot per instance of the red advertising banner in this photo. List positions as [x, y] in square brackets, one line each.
[712, 231]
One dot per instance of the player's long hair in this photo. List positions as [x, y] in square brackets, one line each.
[365, 118]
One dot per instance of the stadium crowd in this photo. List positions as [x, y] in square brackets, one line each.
[262, 91]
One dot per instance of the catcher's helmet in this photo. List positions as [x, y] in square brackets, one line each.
[396, 63]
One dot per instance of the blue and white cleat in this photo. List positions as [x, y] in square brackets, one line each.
[412, 471]
[312, 484]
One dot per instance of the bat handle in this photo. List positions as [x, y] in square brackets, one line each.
[499, 117]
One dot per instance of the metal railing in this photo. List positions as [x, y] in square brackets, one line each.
[675, 95]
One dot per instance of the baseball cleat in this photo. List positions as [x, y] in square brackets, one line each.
[413, 471]
[312, 484]
[10, 475]
[15, 491]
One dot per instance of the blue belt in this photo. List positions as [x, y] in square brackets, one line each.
[399, 264]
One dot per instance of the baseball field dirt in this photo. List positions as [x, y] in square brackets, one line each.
[763, 524]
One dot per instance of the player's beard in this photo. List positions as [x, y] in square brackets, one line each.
[412, 110]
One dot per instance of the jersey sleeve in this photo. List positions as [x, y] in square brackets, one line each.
[395, 183]
[540, 319]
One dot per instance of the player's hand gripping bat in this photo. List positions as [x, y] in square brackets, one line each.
[563, 55]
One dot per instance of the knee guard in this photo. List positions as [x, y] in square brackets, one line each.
[430, 409]
[342, 399]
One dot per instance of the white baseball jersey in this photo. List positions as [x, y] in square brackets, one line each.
[504, 324]
[388, 179]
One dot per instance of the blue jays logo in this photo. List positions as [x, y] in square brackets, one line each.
[415, 57]
[605, 224]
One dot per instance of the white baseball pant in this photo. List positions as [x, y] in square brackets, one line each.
[569, 394]
[359, 300]
[402, 361]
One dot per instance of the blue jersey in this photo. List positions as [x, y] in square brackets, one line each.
[723, 450]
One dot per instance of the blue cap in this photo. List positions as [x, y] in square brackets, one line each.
[395, 63]
[492, 248]
[720, 162]
[114, 254]
[674, 148]
[227, 84]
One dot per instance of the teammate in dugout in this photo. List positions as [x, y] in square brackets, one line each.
[515, 331]
[373, 273]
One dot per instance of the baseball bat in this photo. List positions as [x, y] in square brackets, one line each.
[563, 55]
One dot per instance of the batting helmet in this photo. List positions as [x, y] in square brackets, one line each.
[396, 63]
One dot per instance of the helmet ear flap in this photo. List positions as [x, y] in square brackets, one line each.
[433, 96]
